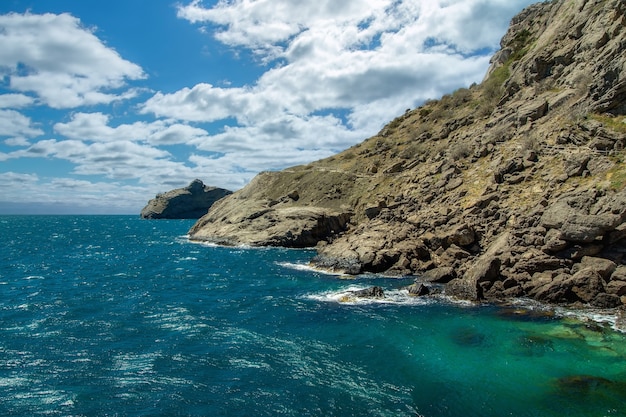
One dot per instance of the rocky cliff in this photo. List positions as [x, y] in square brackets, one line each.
[511, 188]
[191, 202]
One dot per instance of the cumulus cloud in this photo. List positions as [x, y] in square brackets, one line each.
[96, 127]
[371, 58]
[15, 101]
[15, 125]
[120, 159]
[64, 64]
[332, 73]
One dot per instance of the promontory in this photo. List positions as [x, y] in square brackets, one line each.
[514, 187]
[191, 202]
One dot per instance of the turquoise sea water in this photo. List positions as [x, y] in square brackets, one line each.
[117, 316]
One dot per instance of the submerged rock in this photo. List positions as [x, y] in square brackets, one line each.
[582, 384]
[468, 337]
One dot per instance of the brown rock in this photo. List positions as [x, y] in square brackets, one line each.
[440, 275]
[418, 290]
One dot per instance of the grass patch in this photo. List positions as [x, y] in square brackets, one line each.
[616, 176]
[615, 123]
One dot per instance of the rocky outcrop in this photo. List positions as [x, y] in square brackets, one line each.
[253, 217]
[191, 202]
[511, 188]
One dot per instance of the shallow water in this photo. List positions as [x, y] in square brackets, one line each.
[113, 315]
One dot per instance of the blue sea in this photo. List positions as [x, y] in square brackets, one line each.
[118, 316]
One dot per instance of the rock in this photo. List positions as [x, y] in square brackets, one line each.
[586, 284]
[553, 242]
[585, 228]
[462, 235]
[581, 384]
[296, 227]
[441, 275]
[372, 292]
[483, 272]
[576, 164]
[418, 290]
[557, 291]
[532, 111]
[616, 287]
[604, 267]
[604, 300]
[191, 202]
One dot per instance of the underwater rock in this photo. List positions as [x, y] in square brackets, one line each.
[581, 384]
[527, 314]
[534, 345]
[469, 337]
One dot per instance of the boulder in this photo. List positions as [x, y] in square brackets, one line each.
[418, 290]
[372, 292]
[585, 228]
[482, 273]
[441, 275]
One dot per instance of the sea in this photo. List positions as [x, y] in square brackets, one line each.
[119, 316]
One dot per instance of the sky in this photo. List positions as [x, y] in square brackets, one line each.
[105, 104]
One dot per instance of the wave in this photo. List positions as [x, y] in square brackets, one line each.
[309, 268]
[347, 296]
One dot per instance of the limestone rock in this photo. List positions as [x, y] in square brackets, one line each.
[191, 202]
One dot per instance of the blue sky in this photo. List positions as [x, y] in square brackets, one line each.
[104, 104]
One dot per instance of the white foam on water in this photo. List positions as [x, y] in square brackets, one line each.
[596, 316]
[42, 398]
[244, 363]
[10, 382]
[187, 258]
[589, 315]
[178, 319]
[347, 296]
[310, 268]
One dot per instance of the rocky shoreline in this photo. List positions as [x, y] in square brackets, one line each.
[511, 189]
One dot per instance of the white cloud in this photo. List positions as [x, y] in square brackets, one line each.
[338, 72]
[95, 127]
[60, 61]
[8, 179]
[334, 72]
[14, 124]
[15, 101]
[377, 56]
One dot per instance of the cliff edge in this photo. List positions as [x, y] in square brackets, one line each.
[191, 202]
[511, 188]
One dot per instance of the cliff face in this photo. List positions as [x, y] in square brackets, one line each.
[191, 202]
[511, 188]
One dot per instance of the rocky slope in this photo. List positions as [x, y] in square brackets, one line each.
[510, 188]
[191, 202]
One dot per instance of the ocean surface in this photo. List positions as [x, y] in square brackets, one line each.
[118, 316]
